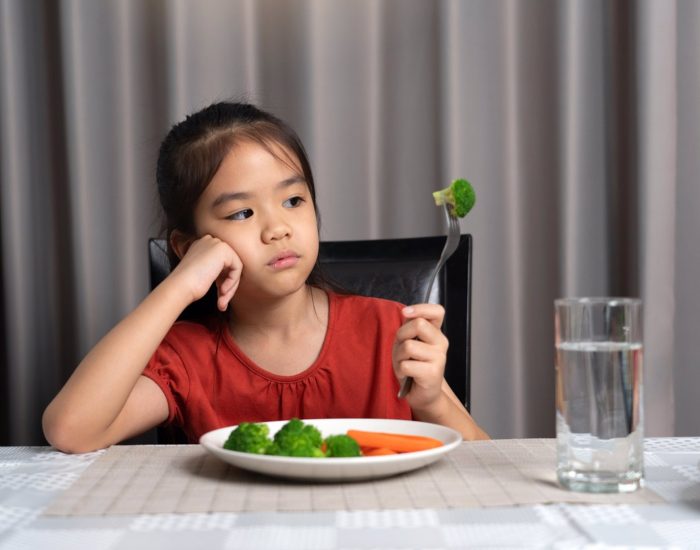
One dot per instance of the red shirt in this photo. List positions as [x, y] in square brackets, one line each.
[210, 383]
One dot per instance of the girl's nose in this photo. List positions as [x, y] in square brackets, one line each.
[275, 230]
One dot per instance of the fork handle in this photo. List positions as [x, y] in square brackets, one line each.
[407, 383]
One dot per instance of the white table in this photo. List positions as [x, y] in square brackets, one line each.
[30, 477]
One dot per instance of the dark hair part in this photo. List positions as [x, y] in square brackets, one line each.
[193, 151]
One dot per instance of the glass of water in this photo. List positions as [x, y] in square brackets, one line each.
[599, 394]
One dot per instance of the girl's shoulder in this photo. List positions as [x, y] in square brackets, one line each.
[193, 332]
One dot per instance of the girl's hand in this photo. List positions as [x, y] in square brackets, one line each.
[420, 351]
[206, 261]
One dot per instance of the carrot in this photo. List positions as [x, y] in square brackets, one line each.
[396, 442]
[381, 451]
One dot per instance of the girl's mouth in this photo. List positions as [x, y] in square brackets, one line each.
[284, 260]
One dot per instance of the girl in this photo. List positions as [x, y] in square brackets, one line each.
[239, 201]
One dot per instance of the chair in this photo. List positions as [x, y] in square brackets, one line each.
[396, 269]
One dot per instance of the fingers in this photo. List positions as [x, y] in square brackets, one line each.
[227, 283]
[422, 373]
[423, 330]
[434, 313]
[226, 291]
[418, 351]
[415, 358]
[209, 260]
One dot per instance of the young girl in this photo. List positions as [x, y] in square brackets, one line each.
[240, 209]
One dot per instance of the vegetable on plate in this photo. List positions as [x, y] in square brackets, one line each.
[298, 439]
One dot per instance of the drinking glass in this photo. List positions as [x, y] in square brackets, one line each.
[599, 394]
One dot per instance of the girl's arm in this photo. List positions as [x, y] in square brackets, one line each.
[420, 351]
[107, 399]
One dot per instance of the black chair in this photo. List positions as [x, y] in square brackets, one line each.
[396, 269]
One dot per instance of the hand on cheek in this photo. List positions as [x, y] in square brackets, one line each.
[420, 351]
[208, 261]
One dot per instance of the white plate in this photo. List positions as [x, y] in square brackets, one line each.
[339, 469]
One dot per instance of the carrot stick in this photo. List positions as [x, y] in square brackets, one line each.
[378, 452]
[396, 442]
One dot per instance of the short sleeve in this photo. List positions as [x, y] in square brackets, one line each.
[167, 370]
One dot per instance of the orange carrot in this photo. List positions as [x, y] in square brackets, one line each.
[396, 442]
[381, 451]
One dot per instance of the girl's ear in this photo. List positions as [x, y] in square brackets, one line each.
[180, 243]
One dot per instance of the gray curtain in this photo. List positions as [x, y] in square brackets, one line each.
[576, 121]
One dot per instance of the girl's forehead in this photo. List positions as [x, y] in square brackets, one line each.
[250, 167]
[266, 148]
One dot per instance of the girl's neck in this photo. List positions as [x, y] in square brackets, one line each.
[285, 336]
[283, 316]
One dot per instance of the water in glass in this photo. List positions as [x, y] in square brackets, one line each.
[599, 427]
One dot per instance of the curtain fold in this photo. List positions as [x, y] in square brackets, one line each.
[584, 159]
[575, 120]
[686, 344]
[36, 256]
[657, 41]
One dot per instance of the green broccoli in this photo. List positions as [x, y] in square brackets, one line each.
[296, 426]
[341, 446]
[293, 439]
[299, 446]
[249, 438]
[459, 196]
[297, 439]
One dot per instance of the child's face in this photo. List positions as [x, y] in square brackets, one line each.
[263, 209]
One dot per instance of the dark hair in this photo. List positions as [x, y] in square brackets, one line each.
[194, 149]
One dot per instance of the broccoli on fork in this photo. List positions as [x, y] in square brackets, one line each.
[459, 197]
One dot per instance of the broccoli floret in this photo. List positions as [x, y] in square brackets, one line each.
[249, 437]
[341, 445]
[293, 439]
[459, 196]
[296, 446]
[296, 427]
[297, 439]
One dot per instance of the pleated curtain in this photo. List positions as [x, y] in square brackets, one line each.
[575, 120]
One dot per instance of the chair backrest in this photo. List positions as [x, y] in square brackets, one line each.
[396, 269]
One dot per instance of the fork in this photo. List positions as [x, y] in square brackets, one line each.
[451, 243]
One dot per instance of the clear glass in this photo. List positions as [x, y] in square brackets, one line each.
[599, 356]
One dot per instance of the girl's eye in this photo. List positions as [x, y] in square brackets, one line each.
[240, 215]
[292, 202]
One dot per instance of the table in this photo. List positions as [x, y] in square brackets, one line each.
[31, 478]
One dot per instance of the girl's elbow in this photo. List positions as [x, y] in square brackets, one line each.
[56, 434]
[64, 435]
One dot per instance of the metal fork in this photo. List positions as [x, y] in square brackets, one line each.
[451, 244]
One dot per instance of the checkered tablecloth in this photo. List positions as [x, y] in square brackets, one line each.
[31, 478]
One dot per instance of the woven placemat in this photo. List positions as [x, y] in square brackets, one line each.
[153, 479]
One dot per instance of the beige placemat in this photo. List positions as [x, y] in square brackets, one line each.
[153, 479]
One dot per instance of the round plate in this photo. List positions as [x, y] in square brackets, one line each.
[339, 469]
